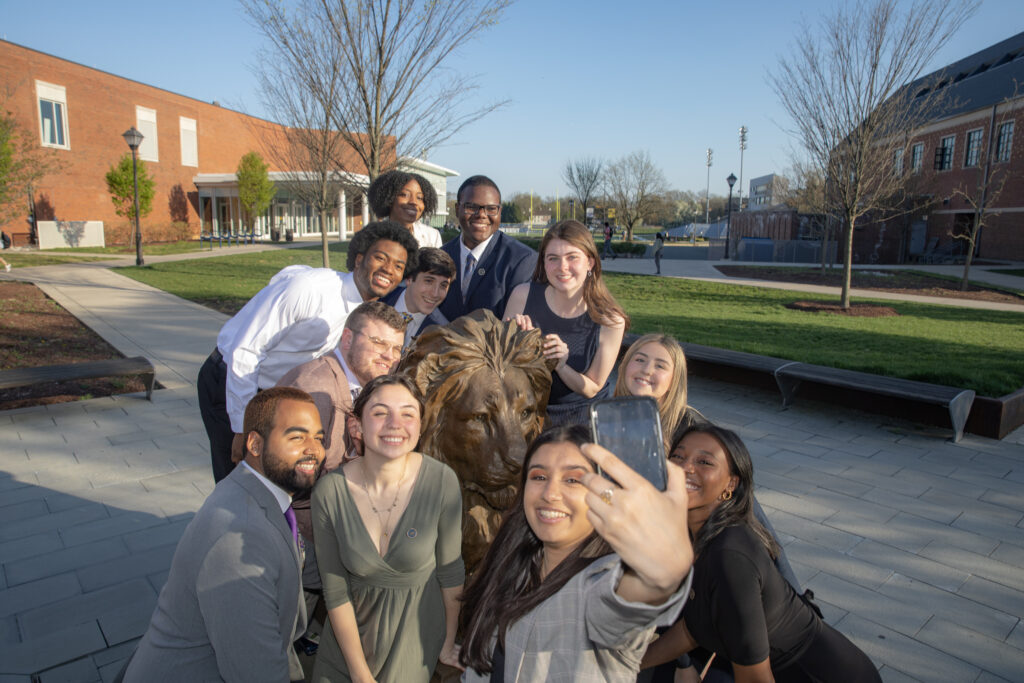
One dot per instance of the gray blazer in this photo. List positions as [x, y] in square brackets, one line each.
[232, 604]
[585, 632]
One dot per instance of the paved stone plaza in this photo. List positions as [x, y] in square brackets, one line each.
[914, 546]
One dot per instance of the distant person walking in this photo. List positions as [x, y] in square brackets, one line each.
[606, 249]
[659, 246]
[5, 241]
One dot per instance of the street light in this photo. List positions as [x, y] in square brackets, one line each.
[707, 191]
[134, 139]
[728, 221]
[743, 146]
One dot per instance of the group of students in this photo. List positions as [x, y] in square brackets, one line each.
[583, 568]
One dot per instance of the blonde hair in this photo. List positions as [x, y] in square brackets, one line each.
[672, 404]
[602, 307]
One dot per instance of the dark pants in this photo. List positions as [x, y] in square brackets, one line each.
[212, 390]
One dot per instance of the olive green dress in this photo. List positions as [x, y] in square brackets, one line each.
[397, 597]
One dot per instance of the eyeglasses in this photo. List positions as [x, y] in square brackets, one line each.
[473, 209]
[382, 346]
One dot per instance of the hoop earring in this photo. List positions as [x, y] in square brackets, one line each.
[727, 495]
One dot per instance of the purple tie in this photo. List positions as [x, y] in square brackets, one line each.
[289, 516]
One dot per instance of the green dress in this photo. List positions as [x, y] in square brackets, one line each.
[397, 597]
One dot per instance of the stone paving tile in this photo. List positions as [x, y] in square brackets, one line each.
[25, 510]
[112, 572]
[910, 564]
[890, 675]
[993, 595]
[9, 630]
[165, 534]
[912, 533]
[946, 605]
[800, 460]
[906, 655]
[1010, 484]
[963, 504]
[807, 530]
[60, 561]
[842, 565]
[984, 652]
[79, 671]
[887, 481]
[41, 654]
[847, 506]
[9, 482]
[177, 480]
[830, 482]
[1016, 637]
[128, 623]
[940, 483]
[107, 528]
[17, 599]
[987, 677]
[801, 506]
[85, 607]
[1005, 499]
[912, 505]
[37, 544]
[804, 572]
[50, 522]
[905, 617]
[983, 566]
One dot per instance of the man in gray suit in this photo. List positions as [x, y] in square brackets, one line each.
[232, 604]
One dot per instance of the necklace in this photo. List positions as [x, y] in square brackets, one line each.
[385, 523]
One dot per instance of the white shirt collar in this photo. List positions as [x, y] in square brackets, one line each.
[477, 251]
[283, 498]
[349, 292]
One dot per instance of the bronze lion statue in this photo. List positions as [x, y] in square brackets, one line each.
[485, 385]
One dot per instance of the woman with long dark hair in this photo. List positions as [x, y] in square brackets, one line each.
[742, 609]
[582, 322]
[581, 570]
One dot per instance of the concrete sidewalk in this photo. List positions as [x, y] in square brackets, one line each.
[913, 545]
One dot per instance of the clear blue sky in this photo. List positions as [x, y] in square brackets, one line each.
[586, 77]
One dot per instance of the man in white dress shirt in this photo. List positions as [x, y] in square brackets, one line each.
[298, 316]
[425, 288]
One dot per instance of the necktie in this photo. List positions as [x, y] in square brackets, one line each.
[467, 275]
[289, 516]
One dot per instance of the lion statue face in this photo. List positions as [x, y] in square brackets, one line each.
[485, 385]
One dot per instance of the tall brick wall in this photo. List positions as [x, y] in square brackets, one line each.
[100, 107]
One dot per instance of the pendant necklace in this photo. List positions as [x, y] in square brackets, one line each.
[384, 522]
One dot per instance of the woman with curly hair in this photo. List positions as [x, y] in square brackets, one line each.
[581, 321]
[742, 609]
[405, 198]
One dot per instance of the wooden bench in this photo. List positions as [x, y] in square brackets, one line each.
[740, 360]
[957, 401]
[120, 367]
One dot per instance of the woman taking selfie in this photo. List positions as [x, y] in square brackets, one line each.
[405, 198]
[388, 529]
[742, 609]
[581, 570]
[580, 319]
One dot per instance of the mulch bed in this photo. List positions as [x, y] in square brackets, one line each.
[35, 331]
[898, 282]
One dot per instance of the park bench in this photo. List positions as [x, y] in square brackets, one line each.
[740, 360]
[120, 367]
[957, 401]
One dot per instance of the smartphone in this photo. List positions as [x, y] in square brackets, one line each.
[630, 427]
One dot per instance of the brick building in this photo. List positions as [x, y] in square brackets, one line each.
[974, 144]
[191, 149]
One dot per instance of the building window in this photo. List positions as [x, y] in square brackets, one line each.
[897, 162]
[189, 143]
[145, 121]
[916, 157]
[1004, 141]
[944, 153]
[973, 152]
[53, 115]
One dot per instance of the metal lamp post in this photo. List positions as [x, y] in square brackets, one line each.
[707, 190]
[134, 139]
[743, 146]
[728, 220]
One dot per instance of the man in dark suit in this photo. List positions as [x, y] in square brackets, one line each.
[232, 604]
[488, 262]
[425, 288]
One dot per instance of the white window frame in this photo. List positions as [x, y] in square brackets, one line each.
[189, 134]
[979, 134]
[897, 162]
[145, 121]
[916, 157]
[56, 95]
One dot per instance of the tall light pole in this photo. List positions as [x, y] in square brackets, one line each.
[134, 139]
[707, 191]
[728, 221]
[743, 146]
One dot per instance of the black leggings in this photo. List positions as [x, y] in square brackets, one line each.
[830, 657]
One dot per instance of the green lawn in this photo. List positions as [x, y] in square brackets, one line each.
[982, 350]
[1019, 272]
[162, 249]
[28, 259]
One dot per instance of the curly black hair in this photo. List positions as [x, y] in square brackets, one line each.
[383, 230]
[383, 192]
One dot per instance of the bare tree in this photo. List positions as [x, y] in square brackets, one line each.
[23, 162]
[583, 176]
[845, 90]
[991, 180]
[301, 79]
[633, 184]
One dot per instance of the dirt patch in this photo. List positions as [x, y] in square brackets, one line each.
[856, 309]
[895, 281]
[35, 331]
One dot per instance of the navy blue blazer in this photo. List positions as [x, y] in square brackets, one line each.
[435, 317]
[506, 262]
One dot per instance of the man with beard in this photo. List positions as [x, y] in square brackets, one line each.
[232, 604]
[489, 263]
[297, 317]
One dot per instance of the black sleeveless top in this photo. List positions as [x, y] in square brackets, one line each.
[580, 334]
